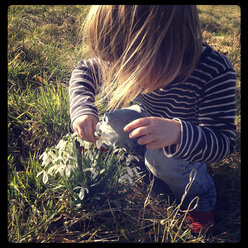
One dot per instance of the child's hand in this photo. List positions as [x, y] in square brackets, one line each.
[85, 126]
[156, 132]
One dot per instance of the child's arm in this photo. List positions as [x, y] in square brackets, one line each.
[83, 87]
[155, 132]
[213, 139]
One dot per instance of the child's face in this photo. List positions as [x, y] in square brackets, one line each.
[148, 84]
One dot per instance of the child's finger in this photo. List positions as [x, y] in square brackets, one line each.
[89, 132]
[139, 132]
[136, 123]
[145, 140]
[153, 145]
[80, 132]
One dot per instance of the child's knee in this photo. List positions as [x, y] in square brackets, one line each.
[176, 174]
[118, 119]
[167, 169]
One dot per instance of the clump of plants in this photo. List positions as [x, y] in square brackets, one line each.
[86, 171]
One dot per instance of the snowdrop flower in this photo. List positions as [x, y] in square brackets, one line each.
[104, 127]
[125, 176]
[45, 176]
[132, 171]
[47, 157]
[74, 135]
[61, 157]
[135, 171]
[68, 171]
[61, 144]
[98, 144]
[91, 157]
[101, 140]
[131, 158]
[93, 171]
[121, 152]
[69, 146]
[60, 169]
[82, 192]
[129, 171]
[44, 156]
[51, 170]
[104, 133]
[83, 143]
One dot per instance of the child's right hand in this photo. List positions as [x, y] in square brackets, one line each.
[85, 127]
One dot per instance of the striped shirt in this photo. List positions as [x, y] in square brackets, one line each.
[204, 105]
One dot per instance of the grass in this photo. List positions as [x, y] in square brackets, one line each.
[43, 49]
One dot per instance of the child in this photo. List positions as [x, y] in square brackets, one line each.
[182, 94]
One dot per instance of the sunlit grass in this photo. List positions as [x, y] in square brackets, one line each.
[43, 48]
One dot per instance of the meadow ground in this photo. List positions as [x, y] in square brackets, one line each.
[44, 46]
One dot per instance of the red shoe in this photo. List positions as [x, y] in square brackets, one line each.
[200, 221]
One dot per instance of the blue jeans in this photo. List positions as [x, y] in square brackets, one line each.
[174, 172]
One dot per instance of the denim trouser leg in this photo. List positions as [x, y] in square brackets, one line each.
[117, 120]
[174, 172]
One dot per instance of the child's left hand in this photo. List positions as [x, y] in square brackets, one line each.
[156, 132]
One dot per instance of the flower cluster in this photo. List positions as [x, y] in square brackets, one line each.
[62, 157]
[105, 134]
[102, 136]
[129, 172]
[90, 172]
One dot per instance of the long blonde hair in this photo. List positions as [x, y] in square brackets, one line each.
[142, 47]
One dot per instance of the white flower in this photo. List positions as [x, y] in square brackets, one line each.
[104, 133]
[98, 128]
[131, 158]
[45, 176]
[135, 171]
[132, 171]
[51, 169]
[120, 150]
[98, 143]
[129, 171]
[106, 138]
[74, 135]
[61, 144]
[43, 156]
[61, 157]
[68, 171]
[91, 156]
[47, 157]
[104, 127]
[69, 146]
[125, 176]
[82, 192]
[102, 139]
[60, 168]
[93, 171]
[121, 153]
[83, 143]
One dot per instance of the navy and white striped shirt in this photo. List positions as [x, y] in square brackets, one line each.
[204, 105]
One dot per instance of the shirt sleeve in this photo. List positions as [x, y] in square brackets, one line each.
[213, 139]
[83, 86]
